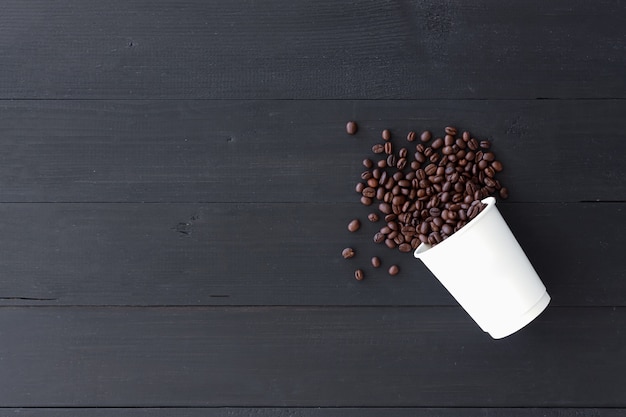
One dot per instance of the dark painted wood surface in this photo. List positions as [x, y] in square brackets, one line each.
[175, 183]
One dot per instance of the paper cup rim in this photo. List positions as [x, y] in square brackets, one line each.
[423, 248]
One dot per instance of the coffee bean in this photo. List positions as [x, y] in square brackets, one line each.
[359, 187]
[472, 144]
[405, 247]
[390, 217]
[504, 193]
[497, 165]
[354, 225]
[373, 217]
[390, 243]
[490, 172]
[367, 163]
[425, 136]
[375, 261]
[466, 136]
[450, 130]
[366, 201]
[411, 136]
[438, 143]
[369, 192]
[388, 149]
[380, 193]
[386, 134]
[401, 164]
[384, 208]
[393, 270]
[485, 144]
[379, 238]
[448, 140]
[351, 128]
[358, 275]
[347, 253]
[382, 163]
[391, 160]
[378, 148]
[489, 156]
[403, 152]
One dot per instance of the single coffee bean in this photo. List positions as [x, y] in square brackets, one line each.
[351, 127]
[378, 148]
[472, 144]
[380, 193]
[394, 270]
[398, 239]
[390, 243]
[430, 169]
[415, 165]
[375, 261]
[403, 152]
[367, 163]
[398, 176]
[388, 148]
[448, 140]
[461, 143]
[490, 172]
[434, 158]
[489, 156]
[379, 238]
[354, 225]
[411, 136]
[386, 134]
[391, 160]
[482, 164]
[497, 165]
[401, 164]
[485, 144]
[447, 150]
[373, 217]
[347, 253]
[428, 152]
[450, 130]
[438, 143]
[390, 217]
[372, 182]
[369, 192]
[405, 247]
[366, 175]
[358, 274]
[384, 208]
[425, 136]
[359, 187]
[490, 182]
[504, 193]
[366, 201]
[466, 136]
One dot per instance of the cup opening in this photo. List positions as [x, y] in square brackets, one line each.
[425, 247]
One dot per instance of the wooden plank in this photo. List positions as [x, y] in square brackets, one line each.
[317, 412]
[290, 151]
[307, 357]
[275, 254]
[285, 49]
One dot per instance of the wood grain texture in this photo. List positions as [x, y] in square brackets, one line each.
[307, 357]
[316, 412]
[275, 254]
[363, 49]
[291, 151]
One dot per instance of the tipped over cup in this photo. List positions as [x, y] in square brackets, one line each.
[484, 268]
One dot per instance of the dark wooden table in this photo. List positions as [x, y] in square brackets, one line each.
[176, 182]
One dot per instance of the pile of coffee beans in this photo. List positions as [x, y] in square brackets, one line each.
[427, 191]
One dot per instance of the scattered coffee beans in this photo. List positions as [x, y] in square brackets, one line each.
[351, 128]
[428, 194]
[347, 253]
[354, 225]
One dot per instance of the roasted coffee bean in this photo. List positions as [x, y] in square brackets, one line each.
[489, 156]
[447, 150]
[386, 134]
[372, 182]
[479, 156]
[460, 143]
[384, 208]
[434, 158]
[388, 197]
[366, 201]
[448, 140]
[388, 147]
[404, 183]
[382, 163]
[379, 238]
[472, 144]
[367, 163]
[373, 217]
[385, 230]
[351, 128]
[358, 275]
[482, 164]
[347, 253]
[401, 164]
[504, 193]
[378, 148]
[438, 143]
[391, 160]
[466, 136]
[375, 261]
[366, 175]
[450, 130]
[390, 243]
[490, 182]
[369, 192]
[359, 187]
[390, 217]
[403, 152]
[497, 166]
[415, 165]
[354, 225]
[380, 193]
[411, 136]
[425, 136]
[398, 176]
[428, 152]
[485, 144]
[398, 238]
[430, 169]
[490, 172]
[394, 270]
[393, 235]
[405, 247]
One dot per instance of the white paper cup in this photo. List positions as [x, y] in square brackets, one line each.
[488, 273]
